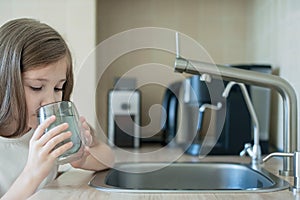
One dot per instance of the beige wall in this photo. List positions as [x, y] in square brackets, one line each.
[75, 20]
[214, 24]
[274, 37]
[232, 31]
[219, 26]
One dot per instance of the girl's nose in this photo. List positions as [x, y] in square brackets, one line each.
[50, 98]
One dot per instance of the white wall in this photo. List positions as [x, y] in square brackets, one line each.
[75, 21]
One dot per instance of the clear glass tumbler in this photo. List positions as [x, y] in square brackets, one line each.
[65, 111]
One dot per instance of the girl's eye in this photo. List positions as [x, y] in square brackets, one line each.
[58, 89]
[36, 88]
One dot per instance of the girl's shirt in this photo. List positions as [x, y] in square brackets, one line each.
[13, 158]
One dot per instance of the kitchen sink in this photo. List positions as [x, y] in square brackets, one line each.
[186, 177]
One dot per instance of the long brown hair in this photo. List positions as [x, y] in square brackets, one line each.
[26, 44]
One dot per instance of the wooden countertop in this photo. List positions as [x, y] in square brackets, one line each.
[73, 184]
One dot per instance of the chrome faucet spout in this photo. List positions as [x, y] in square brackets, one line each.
[255, 151]
[259, 79]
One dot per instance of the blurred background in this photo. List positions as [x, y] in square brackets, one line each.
[232, 32]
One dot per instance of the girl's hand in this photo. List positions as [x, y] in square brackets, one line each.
[87, 140]
[97, 155]
[42, 155]
[86, 133]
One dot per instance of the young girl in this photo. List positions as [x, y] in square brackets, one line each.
[35, 69]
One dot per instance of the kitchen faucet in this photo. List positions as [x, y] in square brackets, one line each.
[296, 158]
[255, 151]
[259, 79]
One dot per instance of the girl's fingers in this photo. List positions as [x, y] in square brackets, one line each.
[82, 119]
[42, 127]
[53, 142]
[88, 139]
[53, 132]
[84, 123]
[85, 132]
[60, 150]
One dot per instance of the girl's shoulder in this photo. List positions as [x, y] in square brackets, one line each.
[24, 139]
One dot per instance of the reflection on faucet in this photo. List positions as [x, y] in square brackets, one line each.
[210, 106]
[259, 79]
[255, 151]
[194, 149]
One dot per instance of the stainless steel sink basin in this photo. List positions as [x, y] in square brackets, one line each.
[186, 177]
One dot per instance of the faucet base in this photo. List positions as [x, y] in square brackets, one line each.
[286, 173]
[295, 190]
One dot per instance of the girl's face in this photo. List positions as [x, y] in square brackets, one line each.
[43, 85]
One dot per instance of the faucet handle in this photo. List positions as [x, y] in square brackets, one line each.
[210, 106]
[206, 77]
[246, 149]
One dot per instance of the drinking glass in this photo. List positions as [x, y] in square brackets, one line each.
[65, 112]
